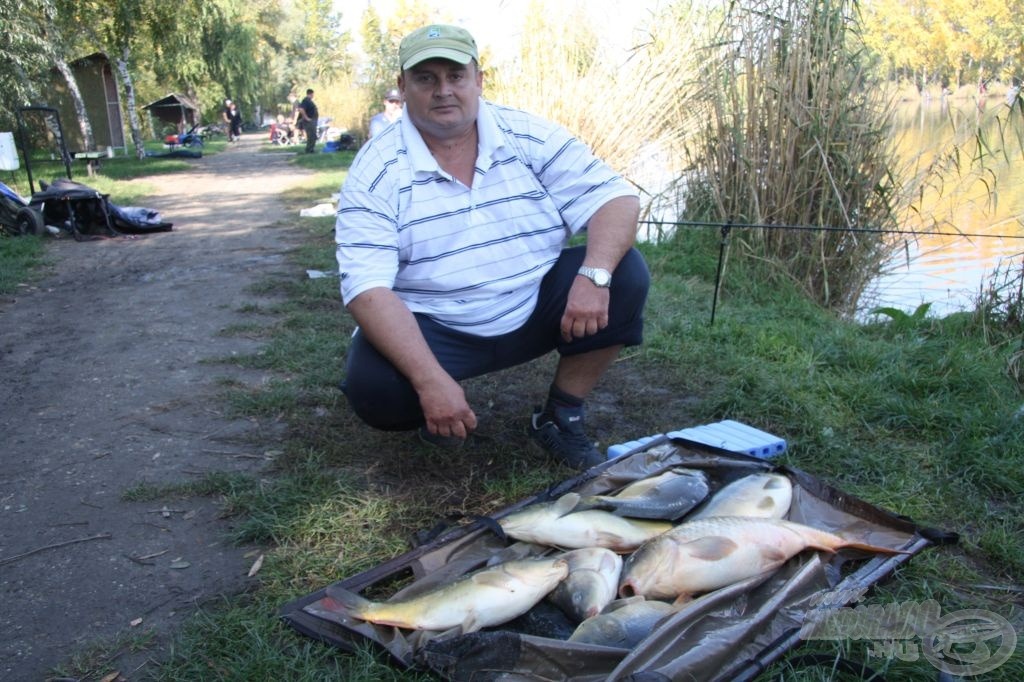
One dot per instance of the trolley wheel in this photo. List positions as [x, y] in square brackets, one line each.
[29, 221]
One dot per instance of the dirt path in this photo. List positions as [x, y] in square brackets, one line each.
[105, 384]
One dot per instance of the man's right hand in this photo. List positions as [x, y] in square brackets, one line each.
[445, 408]
[392, 329]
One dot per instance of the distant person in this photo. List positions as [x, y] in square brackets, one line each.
[392, 112]
[452, 231]
[308, 120]
[225, 115]
[235, 125]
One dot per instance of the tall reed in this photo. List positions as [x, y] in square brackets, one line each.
[795, 137]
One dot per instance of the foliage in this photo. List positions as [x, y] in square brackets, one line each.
[24, 51]
[946, 42]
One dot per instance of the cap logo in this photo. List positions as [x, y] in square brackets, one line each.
[434, 32]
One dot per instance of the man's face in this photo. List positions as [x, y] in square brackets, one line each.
[441, 96]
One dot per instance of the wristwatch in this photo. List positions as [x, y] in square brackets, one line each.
[599, 276]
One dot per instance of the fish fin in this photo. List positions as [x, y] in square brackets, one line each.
[776, 482]
[710, 548]
[777, 556]
[470, 624]
[566, 503]
[350, 602]
[490, 579]
[767, 503]
[682, 600]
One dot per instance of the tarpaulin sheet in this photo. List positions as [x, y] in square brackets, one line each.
[731, 633]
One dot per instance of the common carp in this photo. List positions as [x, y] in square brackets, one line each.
[487, 597]
[761, 495]
[592, 582]
[703, 555]
[623, 623]
[669, 495]
[555, 524]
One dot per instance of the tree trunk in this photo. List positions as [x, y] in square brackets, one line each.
[84, 125]
[129, 99]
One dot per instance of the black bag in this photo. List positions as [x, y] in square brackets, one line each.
[73, 207]
[86, 213]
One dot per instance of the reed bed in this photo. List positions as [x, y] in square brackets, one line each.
[794, 136]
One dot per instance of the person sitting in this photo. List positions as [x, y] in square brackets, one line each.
[392, 110]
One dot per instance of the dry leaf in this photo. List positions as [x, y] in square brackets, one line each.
[112, 677]
[256, 566]
[180, 563]
[190, 513]
[135, 623]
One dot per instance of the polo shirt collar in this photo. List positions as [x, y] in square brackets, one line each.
[489, 141]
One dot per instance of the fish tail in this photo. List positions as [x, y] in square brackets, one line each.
[350, 602]
[830, 542]
[872, 548]
[590, 502]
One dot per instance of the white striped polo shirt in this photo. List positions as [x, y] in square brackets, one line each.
[472, 258]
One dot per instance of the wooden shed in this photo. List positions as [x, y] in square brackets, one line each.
[175, 110]
[98, 86]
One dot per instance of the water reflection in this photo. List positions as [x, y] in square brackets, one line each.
[987, 208]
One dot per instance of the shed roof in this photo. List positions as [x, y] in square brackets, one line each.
[174, 108]
[172, 101]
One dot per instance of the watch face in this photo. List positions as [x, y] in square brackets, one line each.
[602, 278]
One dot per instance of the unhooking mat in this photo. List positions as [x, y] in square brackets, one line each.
[732, 633]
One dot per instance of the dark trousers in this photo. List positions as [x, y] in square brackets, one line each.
[310, 127]
[382, 397]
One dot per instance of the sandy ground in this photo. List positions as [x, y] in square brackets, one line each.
[106, 384]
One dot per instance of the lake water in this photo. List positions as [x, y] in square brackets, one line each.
[976, 226]
[986, 210]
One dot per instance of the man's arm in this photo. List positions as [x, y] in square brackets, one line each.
[611, 232]
[392, 329]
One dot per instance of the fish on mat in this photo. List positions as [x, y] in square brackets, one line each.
[706, 554]
[555, 524]
[762, 495]
[490, 596]
[669, 495]
[592, 582]
[624, 623]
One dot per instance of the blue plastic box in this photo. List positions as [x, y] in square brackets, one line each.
[729, 435]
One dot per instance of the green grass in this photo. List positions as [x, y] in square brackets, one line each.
[914, 414]
[20, 260]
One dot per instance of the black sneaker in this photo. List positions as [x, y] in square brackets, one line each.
[563, 437]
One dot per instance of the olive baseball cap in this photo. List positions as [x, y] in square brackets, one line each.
[437, 41]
